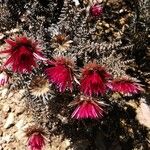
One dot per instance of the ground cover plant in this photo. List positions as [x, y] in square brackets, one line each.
[84, 66]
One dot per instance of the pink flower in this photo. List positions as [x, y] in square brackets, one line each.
[3, 78]
[60, 73]
[87, 108]
[23, 53]
[125, 85]
[93, 79]
[96, 10]
[36, 142]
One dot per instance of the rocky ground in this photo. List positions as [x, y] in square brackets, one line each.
[14, 120]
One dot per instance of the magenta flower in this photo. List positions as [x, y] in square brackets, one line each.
[60, 73]
[87, 108]
[93, 79]
[23, 53]
[3, 78]
[96, 10]
[125, 86]
[36, 142]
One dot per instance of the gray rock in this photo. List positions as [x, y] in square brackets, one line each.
[10, 121]
[20, 135]
[4, 92]
[20, 124]
[6, 139]
[19, 110]
[6, 108]
[143, 113]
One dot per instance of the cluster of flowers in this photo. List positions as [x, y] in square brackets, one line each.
[95, 80]
[23, 56]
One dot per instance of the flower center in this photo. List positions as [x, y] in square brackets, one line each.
[24, 57]
[25, 45]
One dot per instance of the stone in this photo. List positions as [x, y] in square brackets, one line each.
[19, 110]
[143, 113]
[4, 92]
[12, 146]
[4, 115]
[65, 144]
[6, 108]
[10, 95]
[106, 25]
[21, 92]
[6, 139]
[10, 121]
[13, 130]
[76, 2]
[20, 124]
[20, 135]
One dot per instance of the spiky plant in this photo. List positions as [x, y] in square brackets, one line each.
[88, 54]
